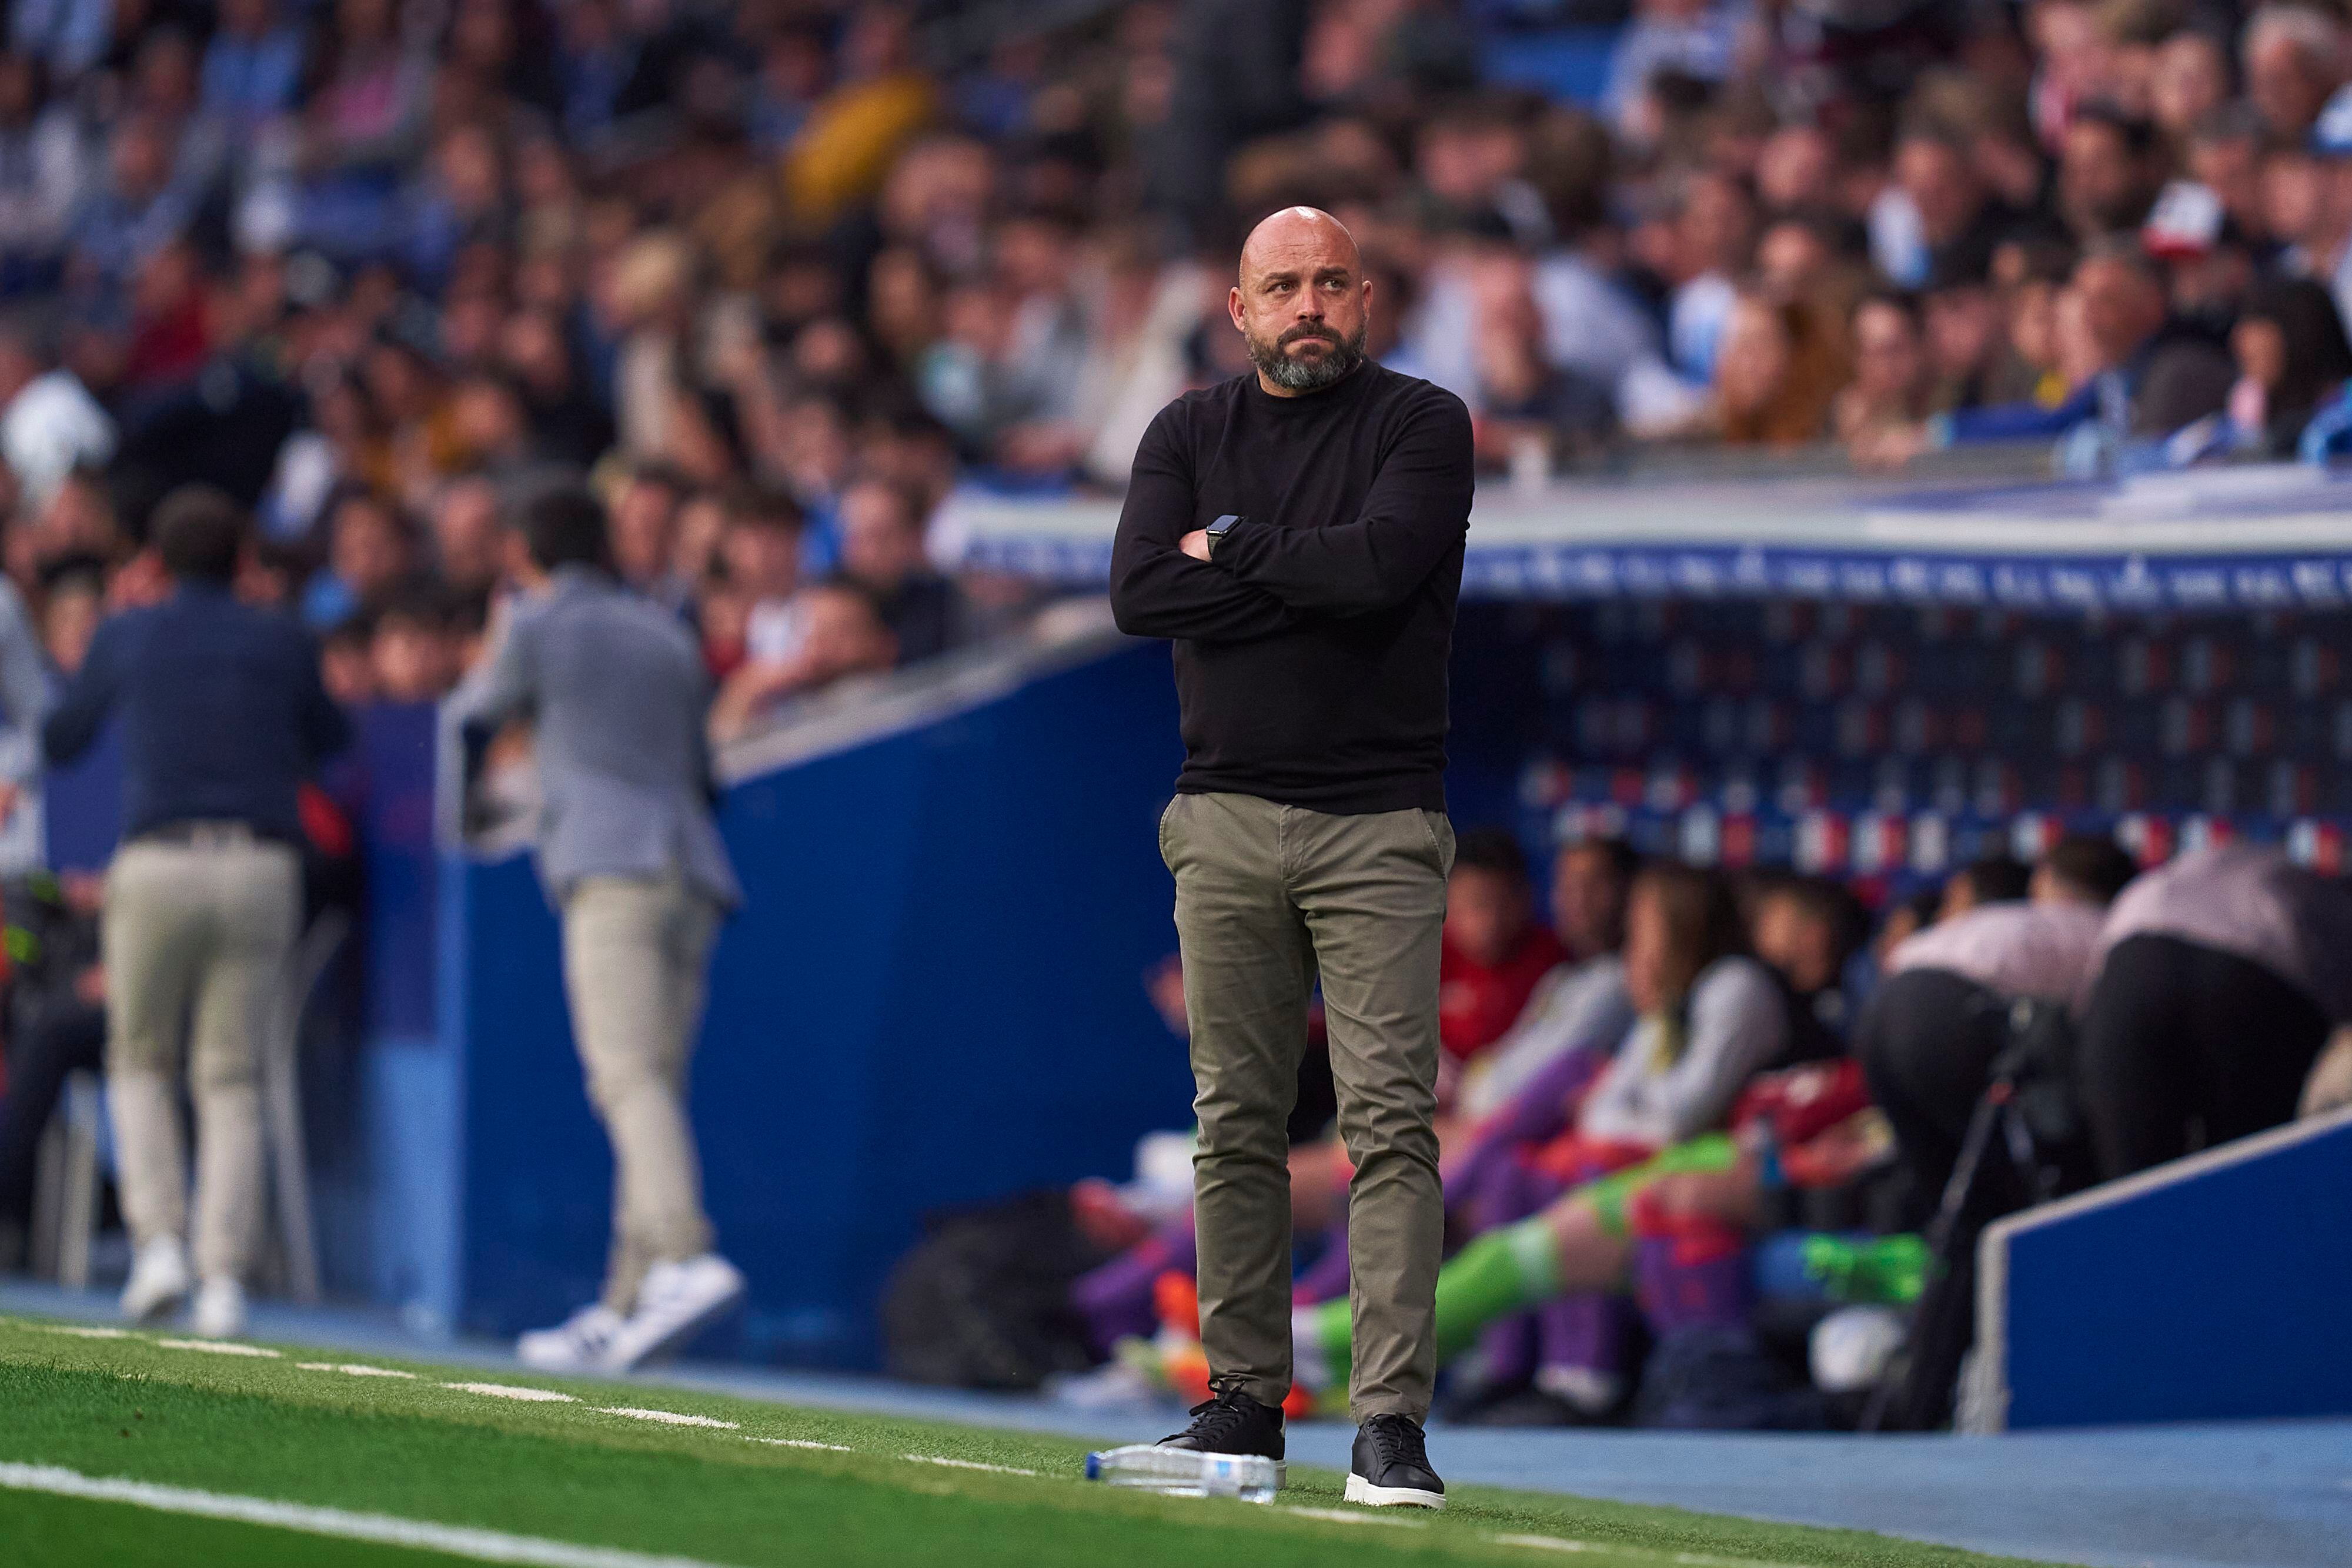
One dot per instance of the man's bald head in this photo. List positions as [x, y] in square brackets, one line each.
[1302, 301]
[1296, 232]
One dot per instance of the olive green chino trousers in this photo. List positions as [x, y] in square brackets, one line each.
[1270, 898]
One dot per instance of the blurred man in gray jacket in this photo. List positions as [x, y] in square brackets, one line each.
[616, 690]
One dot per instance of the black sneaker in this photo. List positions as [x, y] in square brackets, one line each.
[1390, 1467]
[1233, 1423]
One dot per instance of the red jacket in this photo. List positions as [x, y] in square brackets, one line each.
[1476, 1002]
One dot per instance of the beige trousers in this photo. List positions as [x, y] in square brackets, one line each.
[634, 954]
[1269, 897]
[195, 938]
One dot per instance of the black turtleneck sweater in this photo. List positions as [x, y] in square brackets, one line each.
[1311, 648]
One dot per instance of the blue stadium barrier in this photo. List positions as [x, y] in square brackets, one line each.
[2215, 1288]
[933, 996]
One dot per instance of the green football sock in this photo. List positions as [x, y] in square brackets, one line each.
[1891, 1269]
[1502, 1272]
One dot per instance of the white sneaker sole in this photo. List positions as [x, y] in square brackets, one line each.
[154, 1311]
[1360, 1490]
[150, 1306]
[551, 1359]
[627, 1353]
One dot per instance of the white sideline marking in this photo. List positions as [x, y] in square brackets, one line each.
[509, 1391]
[218, 1347]
[80, 1332]
[965, 1464]
[828, 1448]
[460, 1541]
[351, 1369]
[1620, 1549]
[1545, 1542]
[1356, 1516]
[672, 1416]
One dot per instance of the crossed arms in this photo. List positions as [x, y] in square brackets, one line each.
[1266, 577]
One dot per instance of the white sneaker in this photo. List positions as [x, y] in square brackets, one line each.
[1587, 1390]
[159, 1278]
[219, 1311]
[676, 1300]
[575, 1345]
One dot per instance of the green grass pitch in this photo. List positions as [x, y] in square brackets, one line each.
[741, 1483]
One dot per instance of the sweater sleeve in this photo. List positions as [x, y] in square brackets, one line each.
[1417, 512]
[1157, 590]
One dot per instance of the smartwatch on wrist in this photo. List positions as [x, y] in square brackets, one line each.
[1219, 529]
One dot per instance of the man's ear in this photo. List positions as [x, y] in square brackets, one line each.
[1233, 306]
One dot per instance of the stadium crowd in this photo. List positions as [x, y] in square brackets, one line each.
[780, 274]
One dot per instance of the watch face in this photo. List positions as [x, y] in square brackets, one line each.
[1225, 522]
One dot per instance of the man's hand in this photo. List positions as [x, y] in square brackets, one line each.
[1195, 544]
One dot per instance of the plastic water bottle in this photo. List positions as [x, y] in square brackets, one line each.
[1187, 1472]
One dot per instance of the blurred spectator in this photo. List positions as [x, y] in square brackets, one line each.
[1890, 386]
[1581, 1003]
[411, 647]
[2141, 375]
[469, 536]
[49, 425]
[1993, 879]
[1777, 372]
[253, 65]
[841, 635]
[1707, 1015]
[2219, 979]
[1806, 929]
[2294, 55]
[73, 602]
[1695, 39]
[1495, 951]
[645, 524]
[761, 550]
[370, 552]
[641, 882]
[2292, 357]
[1929, 1035]
[135, 212]
[41, 176]
[223, 716]
[2107, 171]
[1520, 401]
[2224, 152]
[882, 552]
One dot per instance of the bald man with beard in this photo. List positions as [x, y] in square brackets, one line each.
[1297, 531]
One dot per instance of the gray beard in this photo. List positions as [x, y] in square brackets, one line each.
[1309, 375]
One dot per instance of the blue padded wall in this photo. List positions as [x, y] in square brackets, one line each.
[2218, 1295]
[934, 996]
